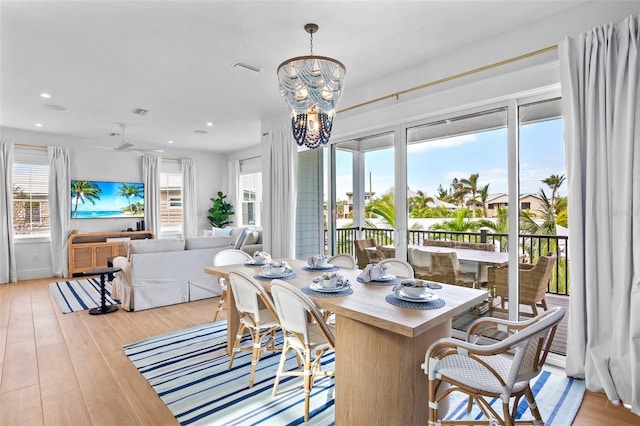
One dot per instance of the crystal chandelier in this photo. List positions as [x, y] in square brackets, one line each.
[311, 86]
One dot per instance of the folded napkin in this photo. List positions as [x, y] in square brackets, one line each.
[318, 260]
[340, 280]
[261, 256]
[271, 266]
[373, 272]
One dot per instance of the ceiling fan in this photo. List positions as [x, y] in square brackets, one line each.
[127, 146]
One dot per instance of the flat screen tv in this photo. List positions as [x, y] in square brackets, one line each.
[95, 200]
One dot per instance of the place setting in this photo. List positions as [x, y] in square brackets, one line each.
[376, 274]
[278, 269]
[319, 263]
[413, 293]
[260, 258]
[328, 285]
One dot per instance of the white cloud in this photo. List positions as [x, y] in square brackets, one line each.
[441, 143]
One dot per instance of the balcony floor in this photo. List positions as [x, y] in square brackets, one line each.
[559, 345]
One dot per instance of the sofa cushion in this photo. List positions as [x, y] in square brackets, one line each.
[253, 237]
[241, 238]
[221, 232]
[197, 243]
[155, 246]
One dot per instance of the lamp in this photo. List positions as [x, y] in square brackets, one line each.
[311, 86]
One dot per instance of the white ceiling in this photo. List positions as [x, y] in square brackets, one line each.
[102, 59]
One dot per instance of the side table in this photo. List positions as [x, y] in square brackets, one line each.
[103, 272]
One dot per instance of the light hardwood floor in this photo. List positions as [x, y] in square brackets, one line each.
[69, 369]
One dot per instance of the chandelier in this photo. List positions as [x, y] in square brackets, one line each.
[311, 86]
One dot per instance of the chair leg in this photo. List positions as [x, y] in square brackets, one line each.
[508, 421]
[532, 405]
[307, 381]
[283, 357]
[236, 345]
[221, 303]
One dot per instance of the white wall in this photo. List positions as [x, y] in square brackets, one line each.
[91, 163]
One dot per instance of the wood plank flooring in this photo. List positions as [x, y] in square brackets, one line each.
[69, 369]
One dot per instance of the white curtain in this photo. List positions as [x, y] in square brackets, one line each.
[189, 202]
[235, 198]
[59, 208]
[151, 179]
[279, 165]
[8, 272]
[600, 74]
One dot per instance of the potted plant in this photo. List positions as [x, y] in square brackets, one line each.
[220, 212]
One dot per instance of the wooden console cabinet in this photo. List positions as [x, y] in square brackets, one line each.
[91, 250]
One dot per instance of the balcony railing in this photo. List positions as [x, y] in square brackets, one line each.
[531, 247]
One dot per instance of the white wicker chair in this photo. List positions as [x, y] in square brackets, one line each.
[483, 370]
[398, 267]
[260, 322]
[304, 337]
[344, 260]
[227, 257]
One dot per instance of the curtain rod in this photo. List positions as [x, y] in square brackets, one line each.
[452, 77]
[26, 145]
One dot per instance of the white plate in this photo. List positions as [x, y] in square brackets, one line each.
[270, 275]
[320, 268]
[428, 297]
[318, 287]
[253, 262]
[386, 278]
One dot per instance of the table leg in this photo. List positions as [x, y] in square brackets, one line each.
[103, 308]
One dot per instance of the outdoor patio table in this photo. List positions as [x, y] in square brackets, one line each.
[379, 346]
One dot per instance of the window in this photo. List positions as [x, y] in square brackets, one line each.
[491, 206]
[171, 202]
[525, 205]
[30, 199]
[251, 190]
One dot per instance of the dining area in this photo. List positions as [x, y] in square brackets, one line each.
[377, 323]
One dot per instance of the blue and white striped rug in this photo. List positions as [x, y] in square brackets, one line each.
[80, 295]
[188, 370]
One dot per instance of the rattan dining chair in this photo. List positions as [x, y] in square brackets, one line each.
[343, 260]
[261, 322]
[398, 267]
[363, 256]
[445, 268]
[305, 333]
[227, 257]
[481, 371]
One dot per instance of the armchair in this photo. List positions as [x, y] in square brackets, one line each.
[533, 282]
[363, 256]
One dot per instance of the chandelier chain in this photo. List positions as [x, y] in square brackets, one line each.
[311, 43]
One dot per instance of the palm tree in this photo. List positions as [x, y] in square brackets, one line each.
[419, 201]
[383, 207]
[460, 223]
[458, 191]
[484, 194]
[470, 186]
[129, 191]
[81, 191]
[554, 182]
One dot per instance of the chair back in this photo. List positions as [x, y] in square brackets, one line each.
[231, 257]
[386, 252]
[247, 294]
[437, 243]
[398, 267]
[444, 267]
[541, 273]
[293, 308]
[344, 260]
[361, 254]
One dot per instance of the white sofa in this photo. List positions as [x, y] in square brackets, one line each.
[165, 272]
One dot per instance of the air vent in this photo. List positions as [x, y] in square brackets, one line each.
[55, 107]
[246, 66]
[140, 111]
[112, 134]
[201, 132]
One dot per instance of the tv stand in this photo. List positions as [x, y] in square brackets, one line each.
[90, 250]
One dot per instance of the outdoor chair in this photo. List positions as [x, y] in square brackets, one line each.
[386, 252]
[227, 257]
[398, 267]
[534, 280]
[343, 260]
[437, 243]
[499, 370]
[305, 332]
[364, 256]
[421, 262]
[445, 268]
[261, 322]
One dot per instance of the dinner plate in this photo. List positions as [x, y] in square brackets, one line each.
[253, 262]
[320, 268]
[428, 297]
[270, 275]
[318, 287]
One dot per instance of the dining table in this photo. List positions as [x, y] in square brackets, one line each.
[379, 346]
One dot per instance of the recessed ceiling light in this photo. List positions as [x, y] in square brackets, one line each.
[170, 142]
[45, 95]
[210, 124]
[38, 125]
[55, 107]
[202, 132]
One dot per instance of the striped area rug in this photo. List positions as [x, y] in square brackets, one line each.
[80, 295]
[188, 370]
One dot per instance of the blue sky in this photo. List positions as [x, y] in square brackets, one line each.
[438, 162]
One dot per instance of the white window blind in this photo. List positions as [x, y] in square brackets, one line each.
[30, 199]
[171, 202]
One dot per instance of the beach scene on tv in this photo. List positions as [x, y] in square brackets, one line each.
[95, 200]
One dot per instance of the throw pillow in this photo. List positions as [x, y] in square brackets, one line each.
[241, 238]
[252, 238]
[220, 232]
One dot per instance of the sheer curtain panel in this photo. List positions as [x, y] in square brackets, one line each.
[59, 208]
[601, 106]
[279, 165]
[8, 272]
[189, 202]
[151, 179]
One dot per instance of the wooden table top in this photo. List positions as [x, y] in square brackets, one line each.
[367, 303]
